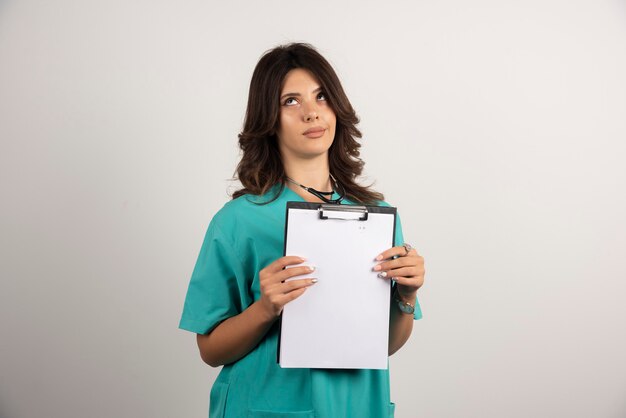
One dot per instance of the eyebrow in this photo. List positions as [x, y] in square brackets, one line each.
[317, 90]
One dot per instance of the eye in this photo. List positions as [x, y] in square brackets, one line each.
[290, 101]
[321, 96]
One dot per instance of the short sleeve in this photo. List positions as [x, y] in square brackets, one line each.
[399, 240]
[216, 284]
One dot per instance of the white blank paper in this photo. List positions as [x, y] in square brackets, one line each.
[343, 320]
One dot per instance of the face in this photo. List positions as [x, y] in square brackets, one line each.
[307, 122]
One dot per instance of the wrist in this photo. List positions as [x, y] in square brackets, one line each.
[405, 295]
[406, 304]
[265, 313]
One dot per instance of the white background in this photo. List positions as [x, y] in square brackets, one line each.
[497, 128]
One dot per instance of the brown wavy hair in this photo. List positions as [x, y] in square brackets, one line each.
[261, 166]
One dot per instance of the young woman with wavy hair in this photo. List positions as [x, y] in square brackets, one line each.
[299, 142]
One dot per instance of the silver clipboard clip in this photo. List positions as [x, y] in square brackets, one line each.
[343, 212]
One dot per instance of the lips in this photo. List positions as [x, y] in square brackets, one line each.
[314, 132]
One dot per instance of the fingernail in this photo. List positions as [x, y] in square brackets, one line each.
[313, 281]
[377, 267]
[311, 268]
[380, 257]
[383, 274]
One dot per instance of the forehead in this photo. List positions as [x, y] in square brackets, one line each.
[299, 80]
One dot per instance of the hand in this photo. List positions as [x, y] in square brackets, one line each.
[407, 270]
[276, 292]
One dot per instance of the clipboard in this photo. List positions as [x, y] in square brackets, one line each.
[342, 321]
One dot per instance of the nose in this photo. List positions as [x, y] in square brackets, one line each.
[310, 113]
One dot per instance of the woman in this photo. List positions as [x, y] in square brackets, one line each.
[299, 143]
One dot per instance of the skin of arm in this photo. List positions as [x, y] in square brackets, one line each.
[400, 325]
[407, 270]
[236, 336]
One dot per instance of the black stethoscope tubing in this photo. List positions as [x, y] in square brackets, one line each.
[322, 195]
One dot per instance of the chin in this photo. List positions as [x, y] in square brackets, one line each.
[316, 151]
[308, 148]
[313, 155]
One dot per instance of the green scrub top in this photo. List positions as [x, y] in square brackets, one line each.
[243, 238]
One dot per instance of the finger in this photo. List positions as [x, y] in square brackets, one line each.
[411, 282]
[285, 261]
[398, 262]
[404, 271]
[273, 280]
[292, 285]
[276, 294]
[287, 274]
[391, 252]
[292, 296]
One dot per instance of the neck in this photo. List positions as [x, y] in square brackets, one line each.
[310, 173]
